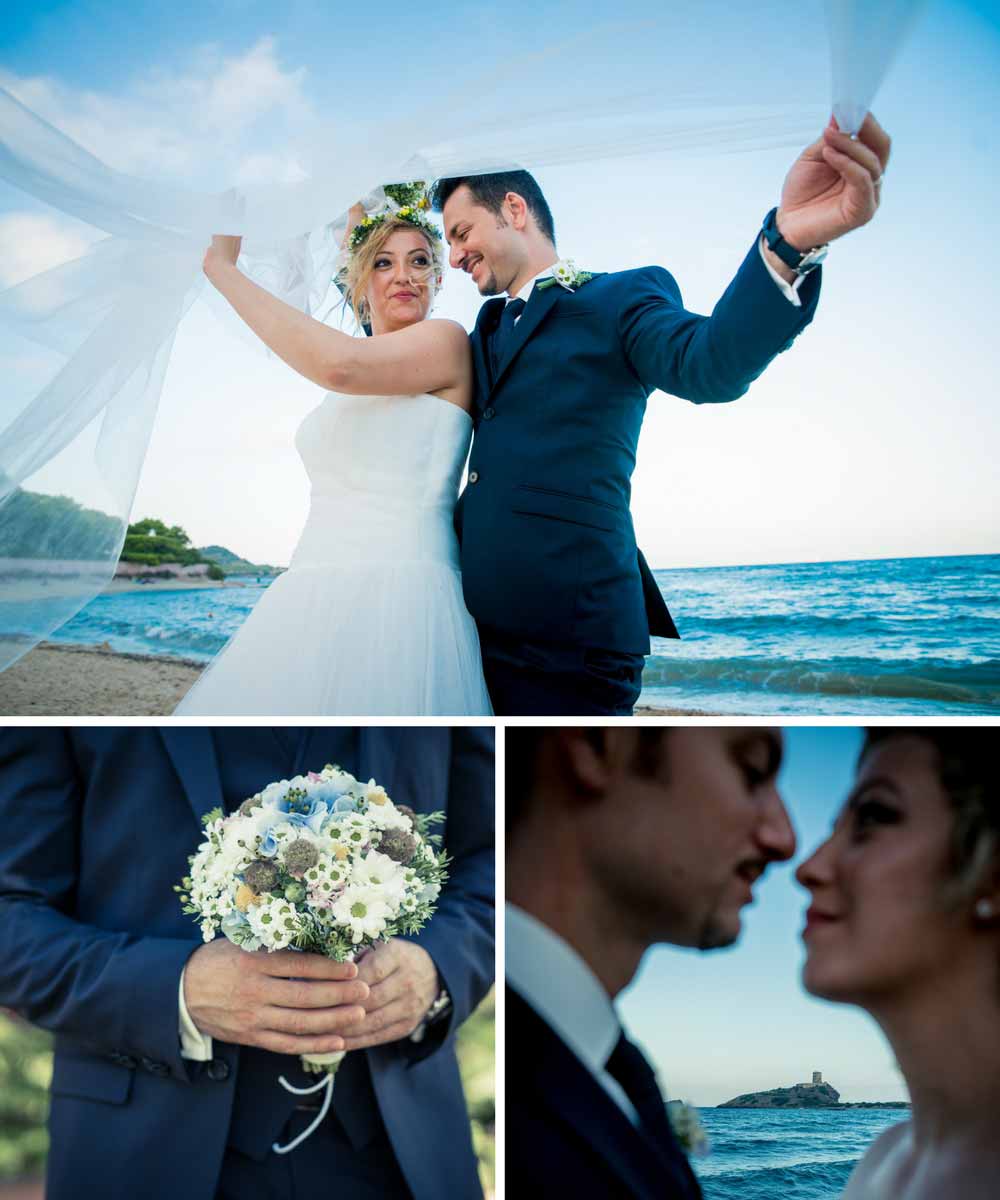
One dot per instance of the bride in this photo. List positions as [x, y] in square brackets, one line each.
[905, 923]
[369, 619]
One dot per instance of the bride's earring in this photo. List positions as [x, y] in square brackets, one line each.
[985, 909]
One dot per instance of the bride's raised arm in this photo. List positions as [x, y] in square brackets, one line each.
[411, 355]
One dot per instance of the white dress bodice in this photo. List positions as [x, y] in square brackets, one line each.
[394, 463]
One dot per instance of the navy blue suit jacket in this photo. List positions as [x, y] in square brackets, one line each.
[548, 548]
[98, 825]
[565, 1136]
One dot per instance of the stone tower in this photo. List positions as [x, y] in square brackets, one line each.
[817, 1078]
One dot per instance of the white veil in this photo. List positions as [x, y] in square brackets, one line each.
[94, 335]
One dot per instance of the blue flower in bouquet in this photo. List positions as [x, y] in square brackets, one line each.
[307, 812]
[329, 791]
[233, 922]
[346, 804]
[268, 844]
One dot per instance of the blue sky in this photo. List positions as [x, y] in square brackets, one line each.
[737, 1020]
[874, 437]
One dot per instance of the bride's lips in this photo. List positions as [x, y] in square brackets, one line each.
[404, 296]
[817, 919]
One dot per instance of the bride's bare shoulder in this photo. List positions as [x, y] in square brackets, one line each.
[877, 1175]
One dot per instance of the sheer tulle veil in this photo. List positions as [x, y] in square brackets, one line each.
[99, 329]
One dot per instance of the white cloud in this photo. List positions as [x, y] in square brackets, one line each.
[34, 242]
[206, 118]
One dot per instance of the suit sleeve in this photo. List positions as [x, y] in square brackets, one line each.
[460, 936]
[111, 992]
[710, 360]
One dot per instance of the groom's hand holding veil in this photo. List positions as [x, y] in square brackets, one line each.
[833, 187]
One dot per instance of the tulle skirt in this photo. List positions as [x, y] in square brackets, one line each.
[379, 640]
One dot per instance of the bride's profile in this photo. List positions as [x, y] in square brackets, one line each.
[904, 922]
[369, 618]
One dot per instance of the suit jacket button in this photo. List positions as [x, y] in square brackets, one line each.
[217, 1070]
[155, 1068]
[473, 477]
[489, 414]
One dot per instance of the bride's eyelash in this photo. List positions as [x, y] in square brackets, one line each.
[869, 814]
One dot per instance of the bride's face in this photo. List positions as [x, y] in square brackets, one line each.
[880, 925]
[401, 286]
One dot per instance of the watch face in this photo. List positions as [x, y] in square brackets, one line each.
[812, 260]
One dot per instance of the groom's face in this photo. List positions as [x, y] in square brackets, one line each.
[688, 832]
[483, 244]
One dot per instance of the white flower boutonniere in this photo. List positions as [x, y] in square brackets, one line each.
[687, 1127]
[564, 273]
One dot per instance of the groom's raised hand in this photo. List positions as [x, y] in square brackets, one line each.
[286, 1002]
[834, 186]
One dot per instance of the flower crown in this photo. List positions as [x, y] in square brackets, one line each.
[403, 202]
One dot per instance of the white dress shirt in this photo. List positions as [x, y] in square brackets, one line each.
[553, 979]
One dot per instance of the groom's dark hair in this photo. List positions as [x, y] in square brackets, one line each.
[490, 190]
[522, 744]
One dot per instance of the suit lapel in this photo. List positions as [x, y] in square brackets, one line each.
[588, 1113]
[377, 755]
[486, 323]
[540, 304]
[192, 753]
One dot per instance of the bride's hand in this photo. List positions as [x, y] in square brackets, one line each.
[355, 215]
[835, 185]
[224, 249]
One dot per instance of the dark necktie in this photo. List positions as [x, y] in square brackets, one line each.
[628, 1066]
[505, 329]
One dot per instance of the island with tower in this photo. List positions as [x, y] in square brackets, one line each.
[805, 1095]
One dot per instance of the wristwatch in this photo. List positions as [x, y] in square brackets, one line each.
[440, 1008]
[800, 262]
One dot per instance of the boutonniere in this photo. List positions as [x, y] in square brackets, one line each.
[688, 1129]
[566, 275]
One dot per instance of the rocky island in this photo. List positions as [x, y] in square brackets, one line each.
[804, 1095]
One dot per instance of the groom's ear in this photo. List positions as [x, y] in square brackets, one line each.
[516, 211]
[593, 756]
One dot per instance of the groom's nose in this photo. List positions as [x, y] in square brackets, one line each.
[775, 834]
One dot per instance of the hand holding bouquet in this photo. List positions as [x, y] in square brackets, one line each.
[320, 863]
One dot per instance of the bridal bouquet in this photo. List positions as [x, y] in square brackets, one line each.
[321, 863]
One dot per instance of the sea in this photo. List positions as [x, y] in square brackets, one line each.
[786, 1154]
[882, 637]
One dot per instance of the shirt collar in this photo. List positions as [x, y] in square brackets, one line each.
[525, 292]
[549, 974]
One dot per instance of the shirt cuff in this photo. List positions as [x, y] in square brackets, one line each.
[195, 1045]
[789, 290]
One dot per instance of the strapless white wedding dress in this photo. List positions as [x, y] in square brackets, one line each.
[369, 618]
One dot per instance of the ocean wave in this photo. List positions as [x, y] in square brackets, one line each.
[968, 683]
[803, 1181]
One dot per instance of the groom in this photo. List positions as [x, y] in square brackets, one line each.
[563, 598]
[168, 1050]
[617, 839]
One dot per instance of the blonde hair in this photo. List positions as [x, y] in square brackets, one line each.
[356, 275]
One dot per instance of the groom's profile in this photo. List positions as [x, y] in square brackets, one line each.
[617, 839]
[564, 364]
[168, 1051]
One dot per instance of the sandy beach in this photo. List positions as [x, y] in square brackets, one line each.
[94, 681]
[119, 585]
